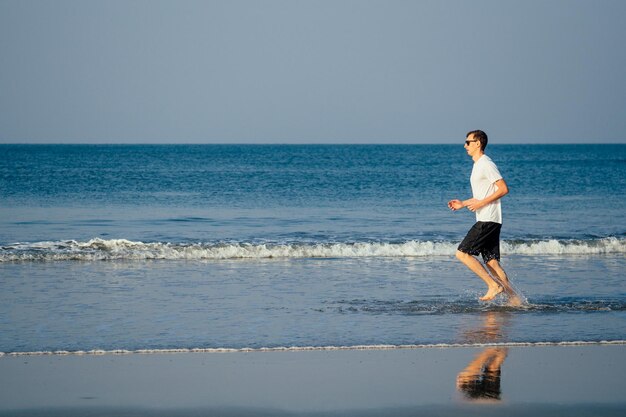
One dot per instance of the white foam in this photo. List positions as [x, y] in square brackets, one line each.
[569, 247]
[97, 352]
[122, 249]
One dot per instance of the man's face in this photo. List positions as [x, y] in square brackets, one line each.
[472, 144]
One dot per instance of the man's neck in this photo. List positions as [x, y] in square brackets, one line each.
[477, 155]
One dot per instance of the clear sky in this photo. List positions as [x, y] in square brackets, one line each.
[290, 71]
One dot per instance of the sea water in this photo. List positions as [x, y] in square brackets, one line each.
[220, 247]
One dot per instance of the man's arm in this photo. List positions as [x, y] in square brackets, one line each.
[458, 204]
[502, 189]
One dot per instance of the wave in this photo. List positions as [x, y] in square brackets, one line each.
[312, 348]
[122, 249]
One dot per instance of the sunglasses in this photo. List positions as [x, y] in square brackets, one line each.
[467, 142]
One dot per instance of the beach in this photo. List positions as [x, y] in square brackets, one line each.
[577, 380]
[273, 208]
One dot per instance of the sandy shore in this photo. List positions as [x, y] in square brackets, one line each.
[544, 381]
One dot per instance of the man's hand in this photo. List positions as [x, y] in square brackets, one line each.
[473, 204]
[455, 205]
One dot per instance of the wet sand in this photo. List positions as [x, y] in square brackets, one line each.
[583, 380]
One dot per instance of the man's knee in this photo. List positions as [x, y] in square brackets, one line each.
[494, 263]
[461, 256]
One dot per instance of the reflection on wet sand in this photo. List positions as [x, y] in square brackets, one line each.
[481, 378]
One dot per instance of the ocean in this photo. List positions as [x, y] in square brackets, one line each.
[150, 248]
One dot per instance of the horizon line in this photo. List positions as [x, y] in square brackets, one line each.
[306, 143]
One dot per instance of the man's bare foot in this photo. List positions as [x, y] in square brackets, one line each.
[492, 293]
[515, 301]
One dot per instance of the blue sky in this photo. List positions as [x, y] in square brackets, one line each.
[531, 71]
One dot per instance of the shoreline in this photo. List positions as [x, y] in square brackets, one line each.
[583, 380]
[102, 352]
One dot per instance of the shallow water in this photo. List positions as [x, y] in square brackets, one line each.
[238, 304]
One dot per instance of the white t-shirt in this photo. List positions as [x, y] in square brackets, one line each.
[484, 175]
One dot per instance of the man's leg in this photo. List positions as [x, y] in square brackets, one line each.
[493, 287]
[496, 271]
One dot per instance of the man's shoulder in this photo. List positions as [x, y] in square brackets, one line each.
[484, 161]
[487, 166]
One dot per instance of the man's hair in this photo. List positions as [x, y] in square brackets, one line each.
[481, 136]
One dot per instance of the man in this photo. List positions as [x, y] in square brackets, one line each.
[488, 187]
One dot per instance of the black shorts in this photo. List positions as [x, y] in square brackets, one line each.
[483, 239]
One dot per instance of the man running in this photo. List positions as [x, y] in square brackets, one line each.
[488, 187]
